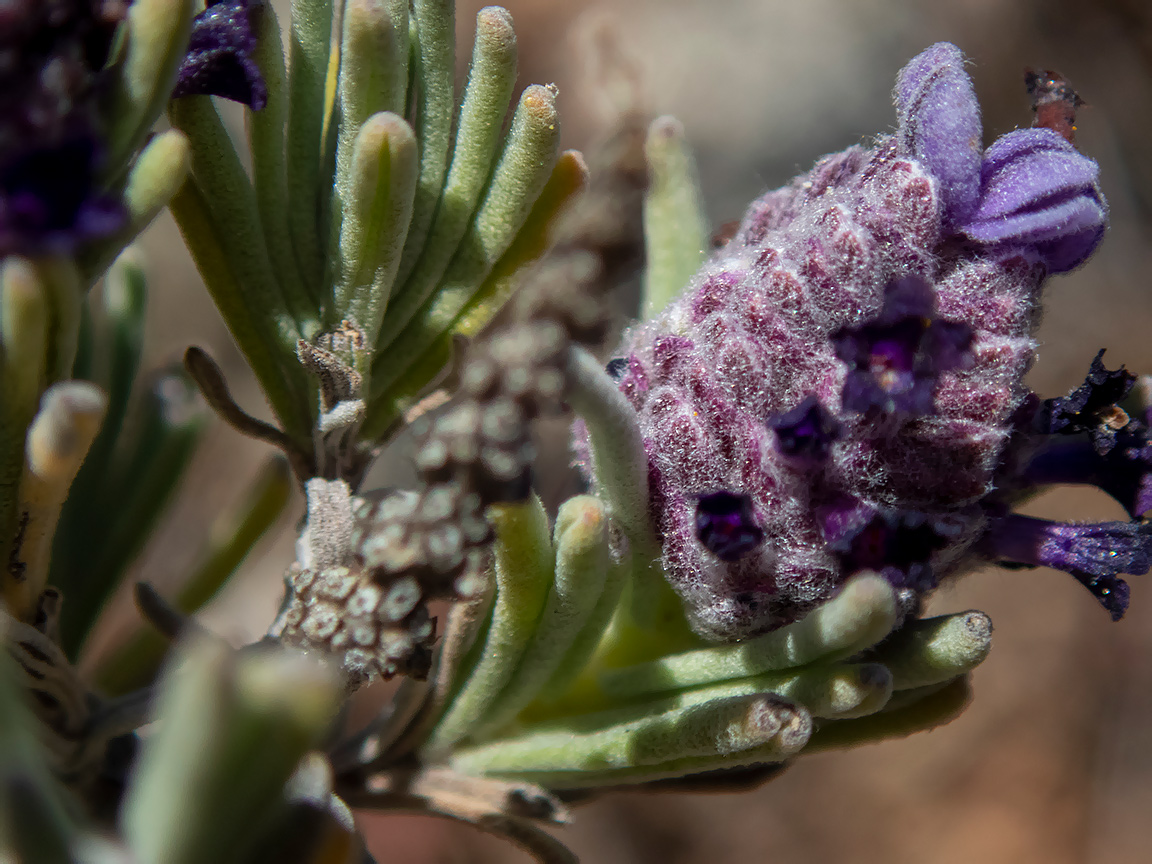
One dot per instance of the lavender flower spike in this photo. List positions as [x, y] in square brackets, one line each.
[852, 362]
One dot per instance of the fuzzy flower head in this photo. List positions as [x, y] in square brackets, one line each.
[840, 388]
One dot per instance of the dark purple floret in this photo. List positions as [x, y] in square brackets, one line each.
[219, 60]
[48, 202]
[1124, 471]
[1091, 407]
[1112, 592]
[898, 544]
[616, 367]
[1094, 553]
[726, 525]
[895, 359]
[805, 434]
[1039, 193]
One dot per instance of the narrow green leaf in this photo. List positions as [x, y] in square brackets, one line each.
[25, 316]
[579, 658]
[309, 41]
[490, 83]
[232, 730]
[530, 154]
[583, 561]
[535, 238]
[523, 564]
[860, 616]
[655, 622]
[435, 62]
[373, 78]
[149, 464]
[61, 278]
[231, 202]
[675, 227]
[934, 650]
[87, 512]
[58, 439]
[266, 131]
[143, 76]
[919, 711]
[726, 732]
[281, 379]
[152, 180]
[376, 216]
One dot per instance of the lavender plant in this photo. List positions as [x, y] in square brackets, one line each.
[816, 425]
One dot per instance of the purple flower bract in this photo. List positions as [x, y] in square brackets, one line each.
[219, 60]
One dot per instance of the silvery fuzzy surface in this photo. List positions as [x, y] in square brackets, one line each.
[756, 332]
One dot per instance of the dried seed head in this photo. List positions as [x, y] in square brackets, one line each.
[361, 591]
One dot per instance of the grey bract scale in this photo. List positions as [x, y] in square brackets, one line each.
[367, 569]
[848, 368]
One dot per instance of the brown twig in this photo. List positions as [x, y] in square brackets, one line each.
[209, 379]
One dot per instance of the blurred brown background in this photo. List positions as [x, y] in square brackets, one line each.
[1053, 761]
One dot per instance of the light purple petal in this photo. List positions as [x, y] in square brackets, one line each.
[940, 125]
[1039, 193]
[1027, 166]
[1068, 217]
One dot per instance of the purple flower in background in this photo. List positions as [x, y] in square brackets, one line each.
[898, 544]
[48, 202]
[1091, 407]
[219, 60]
[849, 368]
[1087, 438]
[51, 59]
